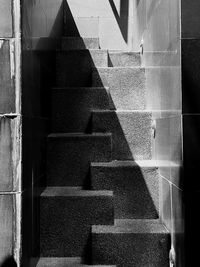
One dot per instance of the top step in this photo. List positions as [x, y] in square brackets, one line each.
[76, 43]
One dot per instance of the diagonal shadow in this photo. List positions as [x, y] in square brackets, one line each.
[123, 17]
[76, 72]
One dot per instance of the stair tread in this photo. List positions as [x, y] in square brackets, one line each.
[64, 261]
[137, 226]
[133, 163]
[67, 191]
[116, 68]
[82, 50]
[128, 163]
[82, 135]
[124, 52]
[79, 38]
[80, 88]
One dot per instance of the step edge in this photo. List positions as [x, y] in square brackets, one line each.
[129, 163]
[81, 88]
[53, 191]
[123, 111]
[136, 226]
[80, 135]
[82, 49]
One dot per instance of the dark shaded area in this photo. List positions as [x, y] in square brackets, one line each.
[9, 262]
[129, 186]
[70, 28]
[38, 77]
[66, 222]
[123, 17]
[191, 148]
[190, 76]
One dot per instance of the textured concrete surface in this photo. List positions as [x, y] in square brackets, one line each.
[6, 20]
[132, 185]
[7, 218]
[71, 107]
[123, 59]
[74, 67]
[75, 43]
[131, 132]
[69, 157]
[65, 262]
[127, 86]
[137, 243]
[66, 217]
[7, 90]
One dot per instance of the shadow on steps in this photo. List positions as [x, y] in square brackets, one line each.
[9, 262]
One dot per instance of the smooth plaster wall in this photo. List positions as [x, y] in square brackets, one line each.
[160, 36]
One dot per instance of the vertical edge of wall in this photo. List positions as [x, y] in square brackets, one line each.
[18, 136]
[10, 130]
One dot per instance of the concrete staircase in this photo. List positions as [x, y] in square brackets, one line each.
[101, 203]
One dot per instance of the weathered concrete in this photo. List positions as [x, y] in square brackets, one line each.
[6, 21]
[74, 67]
[66, 218]
[7, 90]
[72, 106]
[137, 243]
[123, 59]
[69, 157]
[65, 262]
[127, 86]
[131, 132]
[6, 226]
[132, 184]
[9, 153]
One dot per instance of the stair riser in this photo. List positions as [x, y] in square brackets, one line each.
[124, 59]
[138, 250]
[68, 159]
[131, 133]
[71, 108]
[74, 68]
[127, 86]
[80, 43]
[65, 223]
[131, 186]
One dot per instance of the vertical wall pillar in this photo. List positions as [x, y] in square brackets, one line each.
[10, 131]
[190, 40]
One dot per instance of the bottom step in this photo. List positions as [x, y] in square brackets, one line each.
[138, 243]
[66, 217]
[64, 262]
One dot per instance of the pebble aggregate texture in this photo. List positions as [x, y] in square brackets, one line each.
[100, 207]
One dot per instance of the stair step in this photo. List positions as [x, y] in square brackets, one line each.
[69, 157]
[135, 243]
[77, 43]
[72, 106]
[127, 86]
[131, 132]
[133, 183]
[74, 67]
[65, 262]
[124, 59]
[66, 217]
